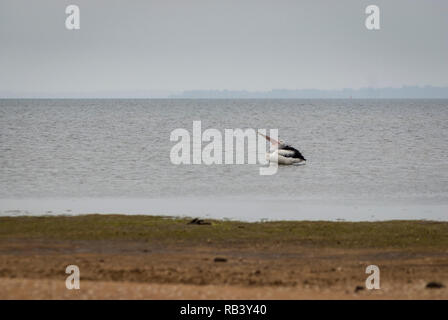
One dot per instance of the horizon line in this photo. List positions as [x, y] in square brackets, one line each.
[403, 92]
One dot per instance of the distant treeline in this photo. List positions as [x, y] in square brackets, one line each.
[407, 92]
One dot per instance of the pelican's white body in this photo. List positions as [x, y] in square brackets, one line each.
[282, 153]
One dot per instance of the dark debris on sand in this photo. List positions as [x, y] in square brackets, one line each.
[359, 288]
[199, 222]
[434, 285]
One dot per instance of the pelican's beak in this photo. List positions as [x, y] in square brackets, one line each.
[273, 141]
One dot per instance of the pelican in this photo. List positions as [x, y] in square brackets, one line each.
[282, 153]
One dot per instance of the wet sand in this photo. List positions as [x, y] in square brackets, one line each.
[128, 257]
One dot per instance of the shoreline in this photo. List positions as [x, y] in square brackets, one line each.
[235, 208]
[153, 257]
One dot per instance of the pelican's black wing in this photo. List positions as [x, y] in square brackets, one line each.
[295, 153]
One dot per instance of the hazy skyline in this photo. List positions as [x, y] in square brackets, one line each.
[427, 92]
[156, 48]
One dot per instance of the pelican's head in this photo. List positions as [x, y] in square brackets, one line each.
[275, 144]
[281, 143]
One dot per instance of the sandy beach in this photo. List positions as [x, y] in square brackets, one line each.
[147, 257]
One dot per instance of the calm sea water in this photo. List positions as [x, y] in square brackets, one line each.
[367, 159]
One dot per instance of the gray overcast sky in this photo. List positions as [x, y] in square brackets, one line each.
[170, 45]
